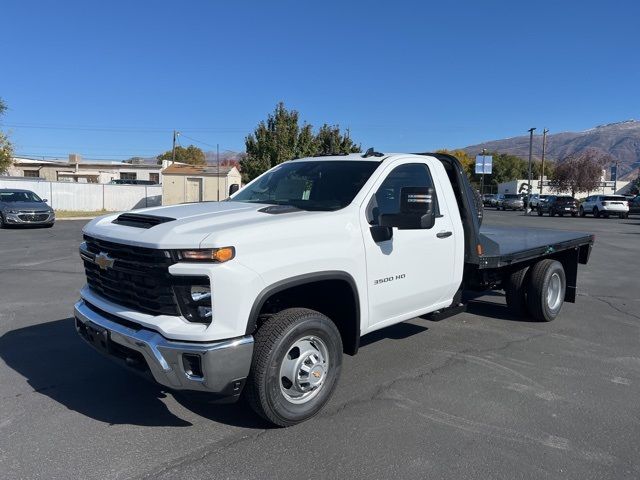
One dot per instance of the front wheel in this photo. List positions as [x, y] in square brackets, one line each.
[596, 212]
[2, 224]
[546, 290]
[582, 212]
[296, 364]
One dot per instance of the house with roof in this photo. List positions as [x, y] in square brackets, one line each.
[197, 183]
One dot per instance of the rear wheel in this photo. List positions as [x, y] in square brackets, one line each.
[539, 212]
[546, 289]
[2, 224]
[295, 367]
[515, 289]
[596, 212]
[624, 215]
[582, 212]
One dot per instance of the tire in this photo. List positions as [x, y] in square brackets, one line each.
[515, 289]
[573, 214]
[605, 215]
[2, 224]
[286, 401]
[552, 213]
[582, 212]
[539, 212]
[596, 212]
[546, 289]
[561, 214]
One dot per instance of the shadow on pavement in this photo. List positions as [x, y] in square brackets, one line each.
[399, 331]
[57, 363]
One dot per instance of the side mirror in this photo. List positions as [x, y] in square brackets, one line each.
[380, 233]
[45, 200]
[417, 210]
[233, 188]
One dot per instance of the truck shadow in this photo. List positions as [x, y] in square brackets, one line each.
[399, 331]
[490, 309]
[56, 363]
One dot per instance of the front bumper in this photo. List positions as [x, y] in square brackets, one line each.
[221, 367]
[29, 219]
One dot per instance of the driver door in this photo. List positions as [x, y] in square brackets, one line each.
[413, 272]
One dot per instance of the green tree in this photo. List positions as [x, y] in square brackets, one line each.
[6, 147]
[468, 162]
[281, 138]
[191, 155]
[579, 172]
[330, 141]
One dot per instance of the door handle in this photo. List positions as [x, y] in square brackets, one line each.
[444, 234]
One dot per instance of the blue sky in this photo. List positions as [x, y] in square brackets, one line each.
[112, 79]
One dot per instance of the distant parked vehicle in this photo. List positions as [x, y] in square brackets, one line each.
[512, 201]
[634, 206]
[537, 199]
[123, 181]
[605, 205]
[559, 205]
[23, 207]
[489, 200]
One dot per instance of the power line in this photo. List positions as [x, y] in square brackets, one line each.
[121, 129]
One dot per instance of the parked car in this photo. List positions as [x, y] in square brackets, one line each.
[634, 205]
[605, 205]
[512, 201]
[559, 205]
[537, 199]
[489, 200]
[23, 207]
[497, 202]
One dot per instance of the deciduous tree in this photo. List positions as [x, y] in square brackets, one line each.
[579, 172]
[191, 155]
[6, 147]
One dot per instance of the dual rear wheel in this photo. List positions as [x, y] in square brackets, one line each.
[537, 291]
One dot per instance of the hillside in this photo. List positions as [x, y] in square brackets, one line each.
[621, 140]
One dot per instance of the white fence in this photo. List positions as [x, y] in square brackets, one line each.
[89, 197]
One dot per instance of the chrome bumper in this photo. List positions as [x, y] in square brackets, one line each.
[224, 365]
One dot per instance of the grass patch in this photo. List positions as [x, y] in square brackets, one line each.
[79, 213]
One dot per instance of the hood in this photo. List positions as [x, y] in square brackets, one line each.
[188, 225]
[25, 206]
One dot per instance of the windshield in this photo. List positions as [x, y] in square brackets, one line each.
[565, 199]
[312, 185]
[512, 196]
[613, 199]
[11, 197]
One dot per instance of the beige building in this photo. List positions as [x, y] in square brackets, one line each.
[196, 183]
[83, 172]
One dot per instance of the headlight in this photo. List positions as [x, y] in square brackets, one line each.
[219, 255]
[14, 211]
[195, 302]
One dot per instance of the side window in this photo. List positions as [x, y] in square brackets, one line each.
[387, 197]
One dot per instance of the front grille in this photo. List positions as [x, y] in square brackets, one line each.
[33, 217]
[139, 277]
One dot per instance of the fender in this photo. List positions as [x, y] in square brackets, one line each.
[304, 279]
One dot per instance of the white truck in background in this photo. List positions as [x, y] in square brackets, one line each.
[260, 295]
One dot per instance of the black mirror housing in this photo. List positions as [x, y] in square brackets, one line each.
[233, 188]
[380, 233]
[417, 210]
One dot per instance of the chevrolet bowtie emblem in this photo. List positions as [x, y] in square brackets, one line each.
[104, 261]
[316, 374]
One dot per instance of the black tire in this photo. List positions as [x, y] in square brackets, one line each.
[515, 289]
[552, 213]
[541, 280]
[582, 213]
[539, 212]
[573, 214]
[561, 214]
[274, 340]
[2, 224]
[596, 212]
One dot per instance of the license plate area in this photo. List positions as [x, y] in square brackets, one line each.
[97, 336]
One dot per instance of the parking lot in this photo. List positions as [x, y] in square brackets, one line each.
[479, 395]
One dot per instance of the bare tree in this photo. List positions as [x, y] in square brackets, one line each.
[579, 172]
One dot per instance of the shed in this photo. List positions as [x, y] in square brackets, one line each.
[196, 183]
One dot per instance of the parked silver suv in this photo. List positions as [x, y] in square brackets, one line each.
[512, 201]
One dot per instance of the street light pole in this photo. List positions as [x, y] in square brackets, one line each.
[218, 174]
[173, 148]
[531, 130]
[544, 145]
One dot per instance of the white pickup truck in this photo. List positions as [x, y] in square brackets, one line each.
[261, 294]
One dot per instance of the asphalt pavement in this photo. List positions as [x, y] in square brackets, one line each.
[480, 395]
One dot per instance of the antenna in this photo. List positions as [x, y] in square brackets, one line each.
[372, 153]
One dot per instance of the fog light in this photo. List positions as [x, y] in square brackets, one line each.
[192, 365]
[205, 313]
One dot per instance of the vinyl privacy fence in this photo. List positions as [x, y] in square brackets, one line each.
[90, 197]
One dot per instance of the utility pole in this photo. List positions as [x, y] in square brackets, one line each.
[544, 144]
[173, 149]
[218, 174]
[484, 152]
[531, 130]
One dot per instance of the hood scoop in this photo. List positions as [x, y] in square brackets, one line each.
[140, 220]
[277, 209]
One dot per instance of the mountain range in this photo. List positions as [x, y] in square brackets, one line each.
[620, 140]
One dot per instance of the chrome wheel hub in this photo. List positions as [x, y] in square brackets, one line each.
[554, 292]
[304, 369]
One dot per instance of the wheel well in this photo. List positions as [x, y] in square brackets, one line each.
[334, 297]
